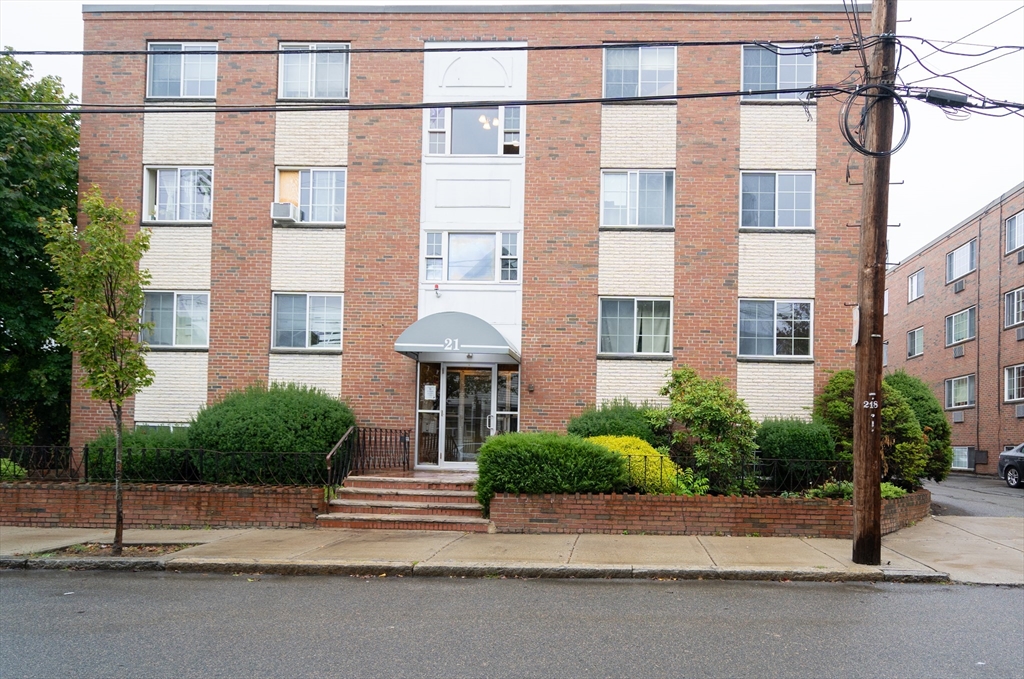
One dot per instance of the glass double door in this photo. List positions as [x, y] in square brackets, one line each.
[459, 407]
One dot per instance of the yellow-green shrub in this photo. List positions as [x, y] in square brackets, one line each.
[649, 470]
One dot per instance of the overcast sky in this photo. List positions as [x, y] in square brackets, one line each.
[950, 169]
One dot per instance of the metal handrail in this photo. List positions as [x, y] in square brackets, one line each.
[330, 469]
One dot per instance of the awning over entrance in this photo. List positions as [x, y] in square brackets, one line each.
[452, 336]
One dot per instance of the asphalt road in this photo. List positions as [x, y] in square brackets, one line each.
[95, 624]
[962, 495]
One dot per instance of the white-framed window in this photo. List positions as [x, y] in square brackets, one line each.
[176, 319]
[885, 303]
[637, 197]
[915, 342]
[180, 70]
[488, 131]
[320, 193]
[639, 71]
[160, 426]
[885, 354]
[1014, 307]
[307, 321]
[960, 392]
[962, 261]
[179, 194]
[1014, 375]
[471, 257]
[915, 285]
[1015, 232]
[631, 325]
[315, 70]
[777, 199]
[961, 457]
[771, 327]
[781, 68]
[960, 326]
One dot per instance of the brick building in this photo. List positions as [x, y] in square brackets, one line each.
[956, 320]
[466, 270]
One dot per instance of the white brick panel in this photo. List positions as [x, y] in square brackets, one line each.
[178, 389]
[777, 265]
[776, 389]
[177, 138]
[636, 263]
[320, 371]
[777, 138]
[312, 139]
[178, 258]
[639, 381]
[638, 137]
[308, 260]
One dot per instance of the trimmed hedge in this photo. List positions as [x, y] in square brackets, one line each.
[147, 455]
[932, 419]
[649, 471]
[798, 443]
[616, 418]
[546, 463]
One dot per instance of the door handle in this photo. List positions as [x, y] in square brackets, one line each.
[489, 423]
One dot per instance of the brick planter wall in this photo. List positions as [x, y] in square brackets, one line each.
[91, 505]
[677, 515]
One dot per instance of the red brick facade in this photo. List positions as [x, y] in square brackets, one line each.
[991, 424]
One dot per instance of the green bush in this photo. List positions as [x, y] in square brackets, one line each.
[905, 451]
[712, 427]
[891, 492]
[932, 419]
[546, 463]
[11, 471]
[619, 418]
[841, 490]
[797, 444]
[650, 471]
[147, 455]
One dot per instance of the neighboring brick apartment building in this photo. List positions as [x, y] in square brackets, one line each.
[956, 320]
[580, 250]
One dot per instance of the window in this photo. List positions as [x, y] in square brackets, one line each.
[637, 198]
[781, 68]
[1015, 383]
[635, 326]
[1014, 307]
[472, 257]
[885, 303]
[885, 354]
[775, 328]
[176, 70]
[1015, 232]
[783, 199]
[179, 194]
[307, 321]
[961, 457]
[177, 319]
[314, 71]
[495, 130]
[960, 326]
[960, 392]
[961, 261]
[915, 342]
[915, 285]
[320, 194]
[639, 71]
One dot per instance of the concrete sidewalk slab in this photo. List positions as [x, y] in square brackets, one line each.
[1007, 531]
[842, 551]
[505, 548]
[17, 540]
[640, 550]
[384, 546]
[265, 544]
[791, 553]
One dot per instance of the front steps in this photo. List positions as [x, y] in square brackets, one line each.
[430, 502]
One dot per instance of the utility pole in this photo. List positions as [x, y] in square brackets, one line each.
[867, 390]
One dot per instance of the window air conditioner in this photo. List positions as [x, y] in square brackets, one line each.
[958, 351]
[958, 416]
[284, 213]
[1020, 334]
[1020, 257]
[958, 286]
[1020, 410]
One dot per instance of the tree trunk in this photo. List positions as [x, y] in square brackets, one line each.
[119, 513]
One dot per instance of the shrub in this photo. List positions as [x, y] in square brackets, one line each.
[796, 444]
[147, 455]
[905, 451]
[11, 471]
[546, 463]
[932, 419]
[841, 490]
[618, 418]
[650, 471]
[689, 483]
[711, 426]
[891, 492]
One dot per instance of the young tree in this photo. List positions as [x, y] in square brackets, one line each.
[38, 174]
[99, 308]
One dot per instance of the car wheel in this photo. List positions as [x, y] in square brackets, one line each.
[1012, 477]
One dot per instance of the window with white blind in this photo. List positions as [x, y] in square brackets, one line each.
[1015, 232]
[915, 342]
[1015, 382]
[915, 285]
[635, 326]
[960, 392]
[1014, 307]
[961, 261]
[960, 326]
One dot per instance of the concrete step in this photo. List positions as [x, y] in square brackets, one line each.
[404, 522]
[403, 495]
[410, 483]
[454, 509]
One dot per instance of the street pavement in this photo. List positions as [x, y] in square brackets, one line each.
[970, 495]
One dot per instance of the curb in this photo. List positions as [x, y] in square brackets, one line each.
[472, 570]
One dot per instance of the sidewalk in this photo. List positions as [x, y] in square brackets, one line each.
[958, 549]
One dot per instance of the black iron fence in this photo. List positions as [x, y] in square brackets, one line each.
[756, 475]
[378, 449]
[40, 463]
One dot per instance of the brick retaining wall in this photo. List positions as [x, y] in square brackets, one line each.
[91, 505]
[708, 515]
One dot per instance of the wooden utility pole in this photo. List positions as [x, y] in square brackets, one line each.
[867, 390]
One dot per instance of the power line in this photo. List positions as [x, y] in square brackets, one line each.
[995, 21]
[961, 70]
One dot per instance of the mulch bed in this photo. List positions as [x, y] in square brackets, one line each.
[105, 549]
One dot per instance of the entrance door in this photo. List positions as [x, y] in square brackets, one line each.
[468, 413]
